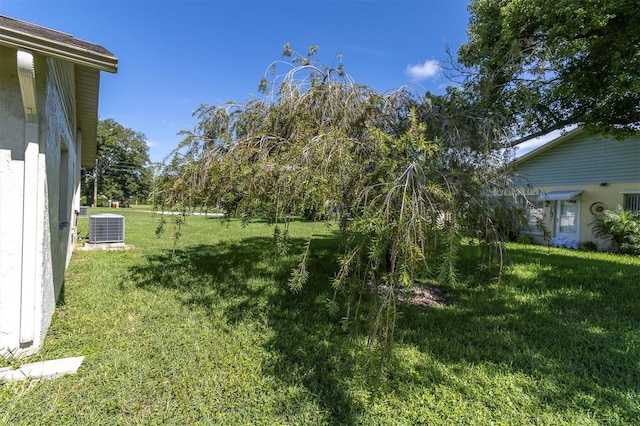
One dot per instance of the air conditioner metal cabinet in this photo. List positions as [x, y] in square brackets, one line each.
[106, 228]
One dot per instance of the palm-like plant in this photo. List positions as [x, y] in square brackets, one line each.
[622, 227]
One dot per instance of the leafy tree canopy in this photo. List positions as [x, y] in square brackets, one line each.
[123, 166]
[548, 64]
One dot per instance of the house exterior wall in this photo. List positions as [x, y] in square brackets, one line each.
[62, 165]
[40, 229]
[611, 196]
[603, 169]
[584, 160]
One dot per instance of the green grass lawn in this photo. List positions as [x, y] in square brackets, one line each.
[213, 336]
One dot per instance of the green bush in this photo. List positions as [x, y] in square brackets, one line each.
[622, 227]
[524, 239]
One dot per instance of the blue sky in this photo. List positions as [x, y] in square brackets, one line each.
[176, 55]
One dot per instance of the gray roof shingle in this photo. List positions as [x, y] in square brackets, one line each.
[31, 36]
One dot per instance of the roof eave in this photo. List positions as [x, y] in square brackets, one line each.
[89, 59]
[23, 40]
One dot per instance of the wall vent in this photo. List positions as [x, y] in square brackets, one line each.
[106, 228]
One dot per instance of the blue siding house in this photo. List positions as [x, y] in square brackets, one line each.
[574, 177]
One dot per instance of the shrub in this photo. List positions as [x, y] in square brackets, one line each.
[524, 239]
[622, 227]
[589, 246]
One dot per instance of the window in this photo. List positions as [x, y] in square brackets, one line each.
[535, 215]
[632, 202]
[63, 187]
[568, 217]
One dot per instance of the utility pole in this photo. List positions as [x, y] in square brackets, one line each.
[95, 185]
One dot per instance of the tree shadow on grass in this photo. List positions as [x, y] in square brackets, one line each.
[568, 322]
[242, 282]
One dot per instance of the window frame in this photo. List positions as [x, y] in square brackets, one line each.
[631, 201]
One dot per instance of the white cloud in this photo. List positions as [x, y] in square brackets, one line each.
[429, 69]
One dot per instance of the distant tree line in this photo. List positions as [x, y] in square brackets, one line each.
[123, 169]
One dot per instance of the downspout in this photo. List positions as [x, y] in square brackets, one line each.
[27, 79]
[76, 182]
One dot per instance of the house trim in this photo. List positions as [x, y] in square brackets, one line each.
[55, 44]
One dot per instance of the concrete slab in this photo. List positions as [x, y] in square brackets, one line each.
[104, 246]
[44, 370]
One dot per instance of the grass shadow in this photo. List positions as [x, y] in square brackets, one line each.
[240, 283]
[565, 322]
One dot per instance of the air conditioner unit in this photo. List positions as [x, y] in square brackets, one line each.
[106, 228]
[84, 211]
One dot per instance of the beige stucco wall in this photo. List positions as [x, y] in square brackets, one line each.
[51, 242]
[62, 230]
[12, 136]
[611, 195]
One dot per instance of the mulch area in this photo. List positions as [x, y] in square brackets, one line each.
[422, 296]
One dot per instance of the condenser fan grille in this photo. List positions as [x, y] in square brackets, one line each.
[106, 228]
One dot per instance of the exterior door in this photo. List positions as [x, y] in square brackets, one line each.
[568, 221]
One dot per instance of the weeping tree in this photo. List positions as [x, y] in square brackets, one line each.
[406, 176]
